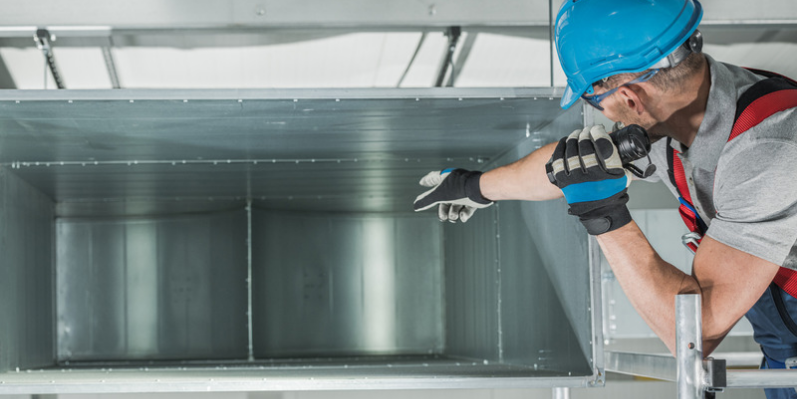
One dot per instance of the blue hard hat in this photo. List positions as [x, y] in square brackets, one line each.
[596, 39]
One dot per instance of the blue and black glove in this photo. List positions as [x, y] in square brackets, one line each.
[457, 192]
[586, 166]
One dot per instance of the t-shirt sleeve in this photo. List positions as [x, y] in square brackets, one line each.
[755, 195]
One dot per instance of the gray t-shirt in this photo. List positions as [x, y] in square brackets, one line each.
[746, 189]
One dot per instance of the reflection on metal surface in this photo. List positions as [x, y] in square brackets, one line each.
[141, 267]
[26, 275]
[152, 288]
[379, 285]
[338, 284]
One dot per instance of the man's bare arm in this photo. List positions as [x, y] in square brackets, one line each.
[729, 281]
[521, 180]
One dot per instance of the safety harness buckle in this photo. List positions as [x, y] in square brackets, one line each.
[691, 240]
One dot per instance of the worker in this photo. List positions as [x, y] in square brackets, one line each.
[724, 142]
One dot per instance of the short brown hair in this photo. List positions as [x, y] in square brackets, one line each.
[666, 79]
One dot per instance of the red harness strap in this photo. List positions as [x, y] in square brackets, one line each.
[766, 98]
[687, 210]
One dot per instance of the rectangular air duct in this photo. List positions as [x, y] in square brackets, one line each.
[236, 240]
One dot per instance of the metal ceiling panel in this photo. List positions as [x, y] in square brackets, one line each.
[739, 12]
[188, 14]
[366, 146]
[176, 14]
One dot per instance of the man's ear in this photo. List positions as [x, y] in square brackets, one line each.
[633, 96]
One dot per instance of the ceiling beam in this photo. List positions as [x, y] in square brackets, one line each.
[110, 65]
[6, 81]
[355, 14]
[182, 14]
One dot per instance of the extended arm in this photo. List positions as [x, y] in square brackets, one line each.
[458, 193]
[730, 282]
[522, 180]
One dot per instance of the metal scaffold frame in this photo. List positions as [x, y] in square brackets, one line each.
[695, 376]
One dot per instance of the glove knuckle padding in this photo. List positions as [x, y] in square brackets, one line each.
[571, 152]
[586, 150]
[607, 151]
[558, 163]
[587, 168]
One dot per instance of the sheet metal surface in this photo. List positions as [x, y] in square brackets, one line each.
[560, 239]
[472, 288]
[309, 375]
[346, 284]
[26, 275]
[152, 288]
[534, 331]
[352, 148]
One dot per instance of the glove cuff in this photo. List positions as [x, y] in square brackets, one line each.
[603, 219]
[473, 188]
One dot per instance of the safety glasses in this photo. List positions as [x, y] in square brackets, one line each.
[595, 100]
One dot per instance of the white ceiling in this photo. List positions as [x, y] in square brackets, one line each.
[356, 60]
[352, 60]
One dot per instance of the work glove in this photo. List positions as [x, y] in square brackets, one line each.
[456, 191]
[587, 168]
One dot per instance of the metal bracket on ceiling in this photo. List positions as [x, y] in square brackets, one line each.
[44, 42]
[453, 34]
[110, 65]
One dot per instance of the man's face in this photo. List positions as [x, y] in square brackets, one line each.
[616, 109]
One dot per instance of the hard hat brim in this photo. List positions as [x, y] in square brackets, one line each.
[569, 97]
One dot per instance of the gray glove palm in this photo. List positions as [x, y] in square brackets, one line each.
[456, 191]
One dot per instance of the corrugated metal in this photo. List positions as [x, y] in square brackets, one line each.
[26, 275]
[152, 288]
[346, 284]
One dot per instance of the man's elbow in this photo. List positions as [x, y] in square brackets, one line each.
[714, 331]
